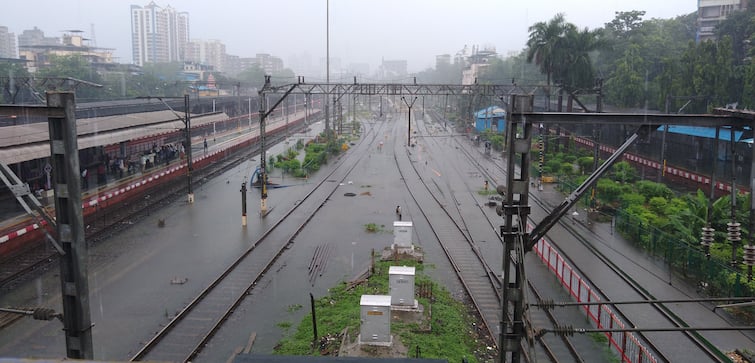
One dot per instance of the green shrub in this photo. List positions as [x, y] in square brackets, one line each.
[631, 199]
[652, 189]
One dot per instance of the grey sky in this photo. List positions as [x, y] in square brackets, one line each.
[361, 31]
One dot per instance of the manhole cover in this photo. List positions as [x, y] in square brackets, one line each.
[349, 194]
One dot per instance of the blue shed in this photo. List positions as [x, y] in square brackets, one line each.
[493, 118]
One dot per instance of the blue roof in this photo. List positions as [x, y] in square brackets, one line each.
[491, 112]
[707, 132]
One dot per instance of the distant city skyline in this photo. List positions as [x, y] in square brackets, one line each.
[360, 31]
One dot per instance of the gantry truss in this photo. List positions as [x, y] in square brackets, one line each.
[399, 89]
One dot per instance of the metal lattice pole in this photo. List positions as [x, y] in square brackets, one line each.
[70, 225]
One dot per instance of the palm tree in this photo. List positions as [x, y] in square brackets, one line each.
[544, 43]
[578, 68]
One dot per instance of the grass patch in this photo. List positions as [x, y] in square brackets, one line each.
[293, 307]
[452, 335]
[487, 192]
[374, 228]
[285, 325]
[608, 354]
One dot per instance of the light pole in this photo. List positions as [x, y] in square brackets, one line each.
[249, 109]
[187, 120]
[409, 132]
[327, 67]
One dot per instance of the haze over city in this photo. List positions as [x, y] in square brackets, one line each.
[361, 31]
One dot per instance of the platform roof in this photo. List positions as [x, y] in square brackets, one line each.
[30, 142]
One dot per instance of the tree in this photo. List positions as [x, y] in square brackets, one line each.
[625, 86]
[545, 43]
[75, 66]
[739, 26]
[253, 75]
[12, 90]
[625, 24]
[514, 69]
[578, 72]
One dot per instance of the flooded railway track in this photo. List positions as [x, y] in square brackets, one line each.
[661, 311]
[475, 275]
[186, 334]
[109, 220]
[458, 255]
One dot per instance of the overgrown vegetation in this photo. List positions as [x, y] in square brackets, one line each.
[668, 224]
[641, 62]
[451, 335]
[316, 155]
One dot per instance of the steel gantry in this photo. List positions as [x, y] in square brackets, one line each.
[338, 90]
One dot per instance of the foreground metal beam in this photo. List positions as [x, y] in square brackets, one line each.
[396, 89]
[569, 331]
[581, 118]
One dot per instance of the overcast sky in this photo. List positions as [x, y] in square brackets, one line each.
[361, 31]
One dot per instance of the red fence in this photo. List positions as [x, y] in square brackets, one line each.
[669, 171]
[626, 344]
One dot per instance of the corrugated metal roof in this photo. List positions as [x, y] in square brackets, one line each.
[38, 132]
[92, 135]
[491, 112]
[706, 132]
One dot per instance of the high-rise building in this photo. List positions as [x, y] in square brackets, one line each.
[712, 12]
[442, 60]
[269, 63]
[7, 43]
[393, 69]
[210, 52]
[36, 37]
[158, 35]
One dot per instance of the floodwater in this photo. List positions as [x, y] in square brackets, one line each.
[130, 274]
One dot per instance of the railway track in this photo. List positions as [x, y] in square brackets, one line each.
[187, 333]
[663, 312]
[548, 347]
[481, 283]
[42, 256]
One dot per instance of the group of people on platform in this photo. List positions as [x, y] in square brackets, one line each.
[117, 167]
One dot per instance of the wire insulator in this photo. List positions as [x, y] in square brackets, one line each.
[749, 255]
[564, 330]
[44, 314]
[734, 232]
[547, 304]
[706, 237]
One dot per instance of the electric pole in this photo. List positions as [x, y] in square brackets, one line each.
[64, 152]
